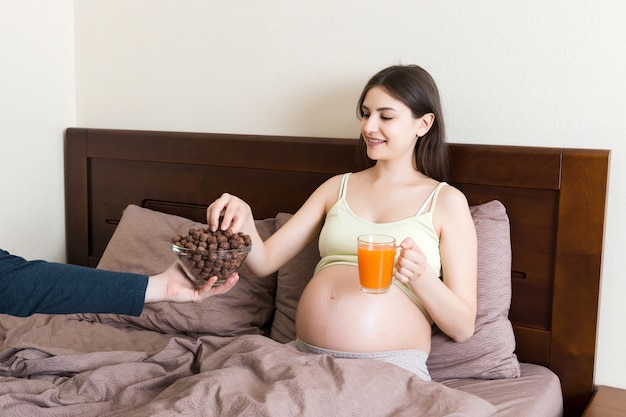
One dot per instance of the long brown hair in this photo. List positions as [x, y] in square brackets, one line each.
[414, 87]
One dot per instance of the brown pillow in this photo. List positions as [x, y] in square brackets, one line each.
[292, 278]
[141, 244]
[489, 353]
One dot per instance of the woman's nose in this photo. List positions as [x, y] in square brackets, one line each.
[369, 125]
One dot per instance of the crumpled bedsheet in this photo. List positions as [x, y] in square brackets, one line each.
[59, 366]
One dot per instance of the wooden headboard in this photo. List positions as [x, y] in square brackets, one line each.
[555, 199]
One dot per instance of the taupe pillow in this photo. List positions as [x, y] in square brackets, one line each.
[292, 278]
[141, 244]
[489, 353]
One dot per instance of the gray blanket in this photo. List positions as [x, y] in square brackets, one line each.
[59, 366]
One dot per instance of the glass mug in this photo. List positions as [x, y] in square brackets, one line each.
[376, 255]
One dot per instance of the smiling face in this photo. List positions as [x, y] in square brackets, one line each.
[395, 89]
[388, 126]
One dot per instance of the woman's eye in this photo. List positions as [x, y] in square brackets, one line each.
[365, 116]
[386, 117]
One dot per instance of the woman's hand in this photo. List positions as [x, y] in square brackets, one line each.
[232, 211]
[173, 285]
[411, 263]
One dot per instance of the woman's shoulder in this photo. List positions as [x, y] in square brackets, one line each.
[452, 192]
[329, 189]
[335, 179]
[451, 209]
[451, 199]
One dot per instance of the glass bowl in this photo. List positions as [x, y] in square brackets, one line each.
[201, 264]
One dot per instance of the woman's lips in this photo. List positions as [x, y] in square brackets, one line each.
[374, 141]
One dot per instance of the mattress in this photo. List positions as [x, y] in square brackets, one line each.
[536, 393]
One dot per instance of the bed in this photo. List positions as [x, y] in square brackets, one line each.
[539, 214]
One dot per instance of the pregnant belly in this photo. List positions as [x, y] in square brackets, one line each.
[334, 313]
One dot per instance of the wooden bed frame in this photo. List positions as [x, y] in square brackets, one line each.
[555, 199]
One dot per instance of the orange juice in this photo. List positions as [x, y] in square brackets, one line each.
[376, 268]
[376, 255]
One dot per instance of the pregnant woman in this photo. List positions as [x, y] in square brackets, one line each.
[404, 195]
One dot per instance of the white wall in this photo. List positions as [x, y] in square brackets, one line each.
[37, 101]
[547, 73]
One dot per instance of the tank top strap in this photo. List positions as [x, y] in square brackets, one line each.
[432, 197]
[344, 185]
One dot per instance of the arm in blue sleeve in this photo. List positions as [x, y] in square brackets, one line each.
[30, 287]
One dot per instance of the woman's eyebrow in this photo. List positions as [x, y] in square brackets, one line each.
[364, 107]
